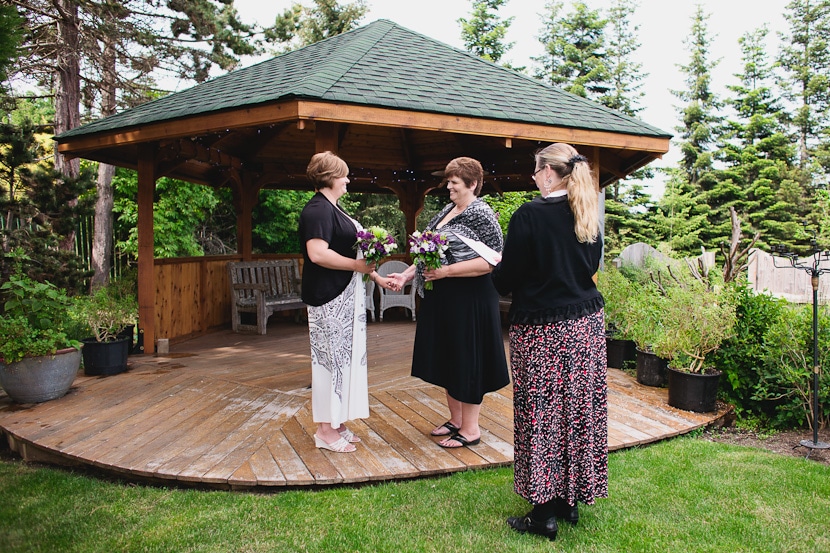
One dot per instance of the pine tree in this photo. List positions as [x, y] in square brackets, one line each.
[299, 26]
[483, 34]
[105, 54]
[805, 62]
[36, 209]
[625, 75]
[700, 113]
[11, 34]
[756, 153]
[683, 211]
[805, 84]
[575, 54]
[680, 218]
[627, 205]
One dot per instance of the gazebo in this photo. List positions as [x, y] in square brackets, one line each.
[395, 104]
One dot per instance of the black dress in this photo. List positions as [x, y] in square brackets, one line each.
[458, 339]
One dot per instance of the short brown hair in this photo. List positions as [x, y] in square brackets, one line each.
[324, 168]
[468, 170]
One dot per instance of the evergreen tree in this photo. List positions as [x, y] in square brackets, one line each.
[756, 154]
[299, 26]
[575, 53]
[805, 62]
[36, 211]
[683, 211]
[104, 54]
[625, 75]
[483, 34]
[805, 84]
[627, 205]
[700, 113]
[628, 213]
[11, 34]
[680, 217]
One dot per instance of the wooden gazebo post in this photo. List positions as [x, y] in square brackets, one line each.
[146, 246]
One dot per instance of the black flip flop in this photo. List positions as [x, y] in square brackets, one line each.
[460, 439]
[449, 426]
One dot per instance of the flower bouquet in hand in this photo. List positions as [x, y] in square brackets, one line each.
[375, 243]
[428, 247]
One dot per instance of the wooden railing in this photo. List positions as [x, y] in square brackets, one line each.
[193, 294]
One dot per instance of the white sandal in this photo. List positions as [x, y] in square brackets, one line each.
[339, 446]
[349, 436]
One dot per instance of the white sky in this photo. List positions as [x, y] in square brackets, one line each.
[663, 26]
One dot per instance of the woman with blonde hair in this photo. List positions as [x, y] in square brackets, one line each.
[557, 343]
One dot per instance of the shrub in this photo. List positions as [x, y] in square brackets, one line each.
[741, 356]
[786, 376]
[34, 320]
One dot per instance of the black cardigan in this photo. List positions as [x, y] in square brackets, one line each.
[548, 271]
[321, 219]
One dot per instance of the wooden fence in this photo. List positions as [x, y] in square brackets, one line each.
[775, 276]
[785, 281]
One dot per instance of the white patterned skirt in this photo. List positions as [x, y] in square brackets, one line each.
[337, 332]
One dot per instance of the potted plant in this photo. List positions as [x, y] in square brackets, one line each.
[616, 288]
[105, 314]
[696, 317]
[644, 306]
[39, 358]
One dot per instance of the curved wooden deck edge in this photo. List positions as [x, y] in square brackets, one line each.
[194, 419]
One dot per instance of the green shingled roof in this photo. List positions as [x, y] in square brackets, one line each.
[384, 65]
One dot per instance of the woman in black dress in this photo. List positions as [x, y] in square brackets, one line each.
[458, 339]
[557, 343]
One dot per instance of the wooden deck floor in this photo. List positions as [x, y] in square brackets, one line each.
[233, 411]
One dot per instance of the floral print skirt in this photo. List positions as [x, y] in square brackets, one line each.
[560, 400]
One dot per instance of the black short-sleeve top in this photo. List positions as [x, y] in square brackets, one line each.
[322, 219]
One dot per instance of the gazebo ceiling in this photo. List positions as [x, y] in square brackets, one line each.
[394, 104]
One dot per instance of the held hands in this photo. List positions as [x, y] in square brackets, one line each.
[398, 281]
[387, 282]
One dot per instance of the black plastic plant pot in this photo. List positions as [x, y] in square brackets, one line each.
[105, 358]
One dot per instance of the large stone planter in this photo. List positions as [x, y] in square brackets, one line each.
[38, 379]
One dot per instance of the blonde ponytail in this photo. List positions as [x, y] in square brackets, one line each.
[583, 193]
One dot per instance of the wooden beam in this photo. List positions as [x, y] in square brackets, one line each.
[326, 137]
[410, 200]
[297, 110]
[245, 198]
[146, 249]
[323, 111]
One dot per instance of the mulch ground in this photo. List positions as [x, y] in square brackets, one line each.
[783, 443]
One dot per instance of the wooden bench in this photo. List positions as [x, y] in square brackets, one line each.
[263, 287]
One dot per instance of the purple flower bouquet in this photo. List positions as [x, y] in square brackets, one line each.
[375, 243]
[428, 247]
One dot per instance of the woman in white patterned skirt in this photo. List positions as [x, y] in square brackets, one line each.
[334, 292]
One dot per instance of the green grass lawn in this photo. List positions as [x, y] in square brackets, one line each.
[685, 494]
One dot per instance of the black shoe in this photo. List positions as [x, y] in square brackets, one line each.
[547, 528]
[567, 513]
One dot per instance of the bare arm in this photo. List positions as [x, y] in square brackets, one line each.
[320, 254]
[470, 268]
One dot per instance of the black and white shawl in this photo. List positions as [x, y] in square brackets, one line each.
[476, 222]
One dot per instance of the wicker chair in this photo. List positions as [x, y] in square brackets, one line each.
[390, 298]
